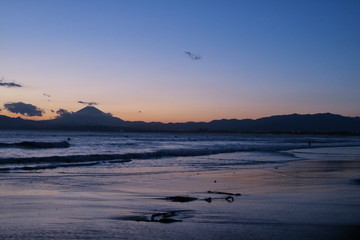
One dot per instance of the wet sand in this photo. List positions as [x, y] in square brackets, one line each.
[309, 199]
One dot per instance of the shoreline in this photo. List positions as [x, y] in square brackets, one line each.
[306, 199]
[117, 131]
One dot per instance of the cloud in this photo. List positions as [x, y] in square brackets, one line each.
[46, 95]
[24, 109]
[193, 56]
[88, 103]
[3, 83]
[62, 112]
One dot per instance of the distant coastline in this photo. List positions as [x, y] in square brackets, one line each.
[92, 119]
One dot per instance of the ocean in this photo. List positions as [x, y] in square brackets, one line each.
[118, 185]
[42, 150]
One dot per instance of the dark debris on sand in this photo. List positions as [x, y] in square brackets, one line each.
[224, 193]
[356, 181]
[229, 197]
[177, 215]
[160, 217]
[181, 199]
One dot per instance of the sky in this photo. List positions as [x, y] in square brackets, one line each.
[248, 58]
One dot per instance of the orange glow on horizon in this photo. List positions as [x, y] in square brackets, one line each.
[163, 116]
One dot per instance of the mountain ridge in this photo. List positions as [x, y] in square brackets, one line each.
[92, 119]
[87, 116]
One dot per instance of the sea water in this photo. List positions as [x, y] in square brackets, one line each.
[191, 151]
[108, 185]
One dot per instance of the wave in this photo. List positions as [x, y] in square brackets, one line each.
[63, 159]
[36, 145]
[125, 157]
[47, 166]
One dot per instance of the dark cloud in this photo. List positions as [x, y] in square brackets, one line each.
[62, 112]
[46, 95]
[88, 103]
[4, 83]
[24, 109]
[193, 56]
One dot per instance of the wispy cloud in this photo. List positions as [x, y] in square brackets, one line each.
[8, 84]
[24, 109]
[62, 112]
[88, 103]
[193, 56]
[48, 96]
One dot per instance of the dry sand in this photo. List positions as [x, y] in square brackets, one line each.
[302, 200]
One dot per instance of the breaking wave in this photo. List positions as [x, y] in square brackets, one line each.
[36, 145]
[75, 160]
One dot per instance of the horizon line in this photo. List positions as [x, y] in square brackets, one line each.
[28, 118]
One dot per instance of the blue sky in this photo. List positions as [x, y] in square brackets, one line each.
[259, 58]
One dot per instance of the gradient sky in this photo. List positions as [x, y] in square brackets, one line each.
[259, 58]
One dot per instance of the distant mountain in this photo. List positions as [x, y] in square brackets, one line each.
[88, 117]
[91, 118]
[321, 122]
[11, 123]
[294, 123]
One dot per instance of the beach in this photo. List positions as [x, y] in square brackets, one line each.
[179, 120]
[315, 198]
